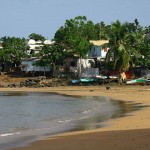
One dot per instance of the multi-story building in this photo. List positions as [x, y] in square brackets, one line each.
[36, 46]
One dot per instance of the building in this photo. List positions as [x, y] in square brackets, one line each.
[97, 51]
[27, 65]
[36, 46]
[88, 67]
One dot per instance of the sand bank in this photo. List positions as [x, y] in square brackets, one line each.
[130, 132]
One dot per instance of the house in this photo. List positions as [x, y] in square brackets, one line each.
[36, 46]
[72, 64]
[88, 67]
[82, 67]
[97, 52]
[27, 65]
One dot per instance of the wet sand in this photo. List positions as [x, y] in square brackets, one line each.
[105, 140]
[130, 132]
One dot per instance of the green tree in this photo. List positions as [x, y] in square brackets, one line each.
[53, 56]
[144, 60]
[43, 62]
[76, 34]
[136, 41]
[102, 31]
[37, 37]
[14, 49]
[124, 44]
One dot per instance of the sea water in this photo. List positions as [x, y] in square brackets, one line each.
[27, 116]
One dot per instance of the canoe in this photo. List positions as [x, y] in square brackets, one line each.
[87, 80]
[140, 80]
[75, 81]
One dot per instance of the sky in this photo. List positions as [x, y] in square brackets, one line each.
[20, 18]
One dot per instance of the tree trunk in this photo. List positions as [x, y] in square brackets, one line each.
[120, 79]
[44, 70]
[53, 70]
[80, 67]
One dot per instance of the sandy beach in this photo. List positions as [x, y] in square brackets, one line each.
[131, 132]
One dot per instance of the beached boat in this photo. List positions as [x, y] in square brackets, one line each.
[82, 80]
[139, 81]
[101, 77]
[75, 82]
[106, 77]
[87, 80]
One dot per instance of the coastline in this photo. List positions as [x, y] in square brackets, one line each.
[133, 124]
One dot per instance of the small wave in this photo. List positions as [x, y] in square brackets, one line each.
[84, 117]
[61, 121]
[87, 111]
[8, 134]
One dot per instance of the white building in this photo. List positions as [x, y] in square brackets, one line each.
[27, 65]
[36, 46]
[97, 51]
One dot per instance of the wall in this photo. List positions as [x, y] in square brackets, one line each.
[27, 66]
[97, 51]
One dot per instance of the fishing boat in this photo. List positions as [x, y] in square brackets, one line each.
[88, 80]
[138, 81]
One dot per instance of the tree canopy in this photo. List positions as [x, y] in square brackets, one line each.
[75, 35]
[13, 48]
[37, 37]
[53, 56]
[127, 45]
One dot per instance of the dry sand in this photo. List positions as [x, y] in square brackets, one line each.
[127, 133]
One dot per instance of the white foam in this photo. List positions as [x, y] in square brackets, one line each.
[64, 121]
[87, 111]
[8, 134]
[84, 117]
[90, 110]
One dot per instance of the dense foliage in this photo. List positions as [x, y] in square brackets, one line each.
[13, 48]
[129, 43]
[36, 37]
[75, 35]
[52, 56]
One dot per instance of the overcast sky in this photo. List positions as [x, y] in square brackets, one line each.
[20, 18]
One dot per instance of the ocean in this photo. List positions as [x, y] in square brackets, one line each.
[28, 116]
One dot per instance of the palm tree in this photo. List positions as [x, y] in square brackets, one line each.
[123, 45]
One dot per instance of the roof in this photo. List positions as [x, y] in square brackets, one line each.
[30, 59]
[99, 42]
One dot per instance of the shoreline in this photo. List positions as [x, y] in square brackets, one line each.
[133, 123]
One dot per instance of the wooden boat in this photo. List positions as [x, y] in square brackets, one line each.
[88, 80]
[75, 82]
[139, 80]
